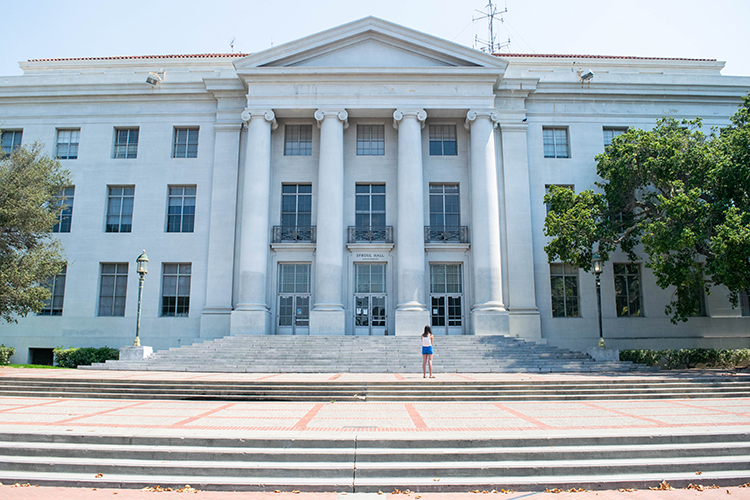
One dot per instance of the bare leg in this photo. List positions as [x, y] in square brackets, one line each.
[424, 363]
[429, 361]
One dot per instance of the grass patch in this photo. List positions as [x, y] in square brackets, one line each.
[36, 366]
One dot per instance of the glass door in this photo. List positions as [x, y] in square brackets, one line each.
[293, 300]
[370, 317]
[446, 299]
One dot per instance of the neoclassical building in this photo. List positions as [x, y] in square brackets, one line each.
[366, 180]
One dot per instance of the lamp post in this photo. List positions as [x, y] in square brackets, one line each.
[597, 262]
[142, 270]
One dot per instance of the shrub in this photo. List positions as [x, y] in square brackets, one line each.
[671, 359]
[75, 356]
[6, 353]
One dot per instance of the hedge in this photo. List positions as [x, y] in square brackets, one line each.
[6, 353]
[671, 359]
[75, 356]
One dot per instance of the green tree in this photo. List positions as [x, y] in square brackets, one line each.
[681, 194]
[29, 256]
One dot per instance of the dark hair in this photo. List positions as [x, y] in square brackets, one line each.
[427, 331]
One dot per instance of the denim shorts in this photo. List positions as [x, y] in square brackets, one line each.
[427, 350]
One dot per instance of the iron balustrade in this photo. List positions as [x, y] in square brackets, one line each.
[294, 234]
[446, 234]
[370, 234]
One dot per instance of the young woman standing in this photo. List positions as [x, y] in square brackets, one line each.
[427, 351]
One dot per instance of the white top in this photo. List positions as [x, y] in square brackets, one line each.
[426, 341]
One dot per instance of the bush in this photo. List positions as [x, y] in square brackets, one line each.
[75, 356]
[6, 353]
[671, 359]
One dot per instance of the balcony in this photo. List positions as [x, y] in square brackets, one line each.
[446, 234]
[294, 234]
[370, 234]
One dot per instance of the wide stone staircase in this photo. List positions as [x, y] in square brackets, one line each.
[367, 464]
[354, 354]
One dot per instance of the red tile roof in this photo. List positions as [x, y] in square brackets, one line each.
[588, 56]
[169, 56]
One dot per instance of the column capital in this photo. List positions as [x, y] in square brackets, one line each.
[474, 114]
[341, 114]
[267, 114]
[400, 114]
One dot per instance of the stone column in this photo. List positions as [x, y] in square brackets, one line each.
[488, 313]
[215, 318]
[251, 312]
[411, 312]
[327, 316]
[523, 312]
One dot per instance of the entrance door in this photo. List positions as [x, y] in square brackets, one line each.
[446, 299]
[294, 300]
[369, 315]
[369, 299]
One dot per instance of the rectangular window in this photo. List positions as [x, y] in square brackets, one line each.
[298, 140]
[185, 143]
[67, 144]
[745, 303]
[369, 278]
[445, 278]
[120, 209]
[181, 210]
[64, 200]
[126, 143]
[564, 285]
[296, 205]
[443, 140]
[555, 142]
[628, 295]
[612, 132]
[54, 305]
[370, 206]
[175, 289]
[11, 139]
[444, 206]
[370, 140]
[700, 294]
[113, 289]
[294, 278]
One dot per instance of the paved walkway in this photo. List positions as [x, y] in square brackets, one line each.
[363, 419]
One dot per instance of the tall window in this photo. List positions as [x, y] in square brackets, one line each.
[443, 140]
[699, 293]
[298, 140]
[64, 199]
[745, 303]
[370, 209]
[126, 143]
[296, 205]
[113, 289]
[444, 206]
[120, 209]
[370, 140]
[175, 289]
[612, 132]
[564, 284]
[181, 211]
[446, 289]
[369, 278]
[54, 305]
[628, 299]
[185, 143]
[555, 142]
[67, 144]
[11, 139]
[294, 278]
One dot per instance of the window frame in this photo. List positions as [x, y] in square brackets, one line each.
[367, 145]
[576, 307]
[49, 308]
[554, 129]
[183, 218]
[436, 146]
[296, 212]
[627, 288]
[294, 142]
[14, 143]
[120, 271]
[173, 308]
[69, 143]
[616, 131]
[65, 217]
[188, 153]
[119, 216]
[370, 212]
[129, 147]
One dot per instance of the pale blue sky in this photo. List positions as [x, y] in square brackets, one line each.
[83, 28]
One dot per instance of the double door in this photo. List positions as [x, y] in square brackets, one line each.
[294, 315]
[369, 314]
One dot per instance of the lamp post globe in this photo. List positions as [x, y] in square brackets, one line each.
[142, 270]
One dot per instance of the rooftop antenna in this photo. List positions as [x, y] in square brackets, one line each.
[231, 44]
[490, 12]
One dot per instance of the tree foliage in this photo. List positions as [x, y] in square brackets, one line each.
[29, 256]
[680, 193]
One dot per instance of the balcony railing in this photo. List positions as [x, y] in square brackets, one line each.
[446, 234]
[370, 234]
[294, 234]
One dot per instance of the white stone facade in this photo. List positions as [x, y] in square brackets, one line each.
[372, 232]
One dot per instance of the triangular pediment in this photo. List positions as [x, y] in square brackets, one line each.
[370, 43]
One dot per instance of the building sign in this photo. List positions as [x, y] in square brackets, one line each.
[369, 256]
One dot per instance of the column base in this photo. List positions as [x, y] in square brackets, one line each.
[490, 321]
[526, 324]
[215, 322]
[135, 353]
[250, 322]
[327, 322]
[411, 321]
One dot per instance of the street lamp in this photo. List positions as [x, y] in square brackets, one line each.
[142, 270]
[597, 262]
